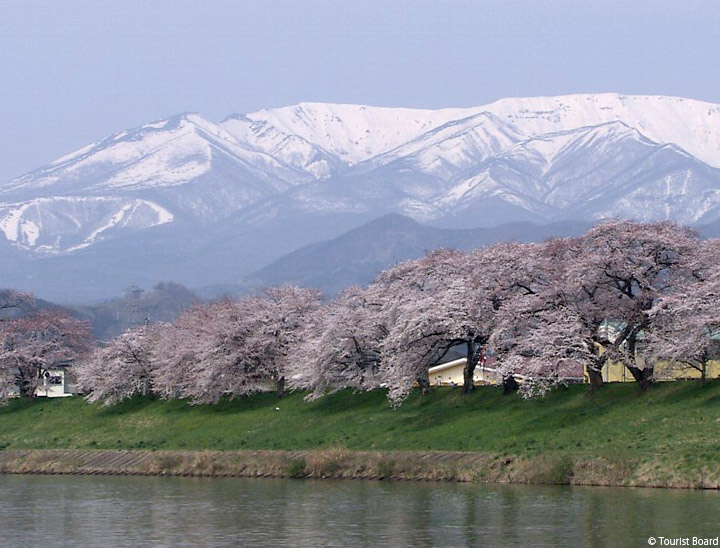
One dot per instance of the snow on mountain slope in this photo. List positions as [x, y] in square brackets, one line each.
[356, 133]
[290, 149]
[167, 153]
[539, 158]
[52, 225]
[609, 170]
[669, 184]
[574, 165]
[451, 148]
[693, 125]
[181, 165]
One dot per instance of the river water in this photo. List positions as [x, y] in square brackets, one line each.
[90, 511]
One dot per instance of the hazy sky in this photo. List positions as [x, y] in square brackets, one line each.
[74, 71]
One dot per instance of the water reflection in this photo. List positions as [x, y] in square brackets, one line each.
[55, 511]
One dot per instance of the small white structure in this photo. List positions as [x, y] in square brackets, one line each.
[55, 383]
[451, 374]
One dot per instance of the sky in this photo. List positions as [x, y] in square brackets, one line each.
[72, 72]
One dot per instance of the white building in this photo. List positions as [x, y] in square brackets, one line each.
[451, 373]
[56, 383]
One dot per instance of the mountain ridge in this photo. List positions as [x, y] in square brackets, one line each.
[237, 194]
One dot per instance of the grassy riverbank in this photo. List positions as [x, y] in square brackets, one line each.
[668, 436]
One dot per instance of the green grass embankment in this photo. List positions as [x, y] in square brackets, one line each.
[669, 436]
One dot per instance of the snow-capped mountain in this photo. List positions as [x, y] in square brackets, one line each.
[592, 172]
[692, 125]
[264, 183]
[157, 155]
[355, 133]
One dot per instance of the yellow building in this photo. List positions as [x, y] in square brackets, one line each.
[617, 372]
[451, 373]
[611, 372]
[664, 371]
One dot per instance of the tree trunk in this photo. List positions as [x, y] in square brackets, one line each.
[25, 392]
[281, 386]
[595, 377]
[424, 383]
[473, 356]
[644, 377]
[595, 372]
[26, 388]
[703, 370]
[509, 384]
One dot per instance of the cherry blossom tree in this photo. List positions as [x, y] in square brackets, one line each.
[203, 355]
[29, 345]
[419, 332]
[686, 322]
[277, 324]
[545, 350]
[174, 353]
[616, 273]
[518, 282]
[446, 299]
[612, 275]
[121, 368]
[535, 335]
[233, 347]
[340, 347]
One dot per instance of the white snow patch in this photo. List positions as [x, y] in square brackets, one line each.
[156, 125]
[44, 223]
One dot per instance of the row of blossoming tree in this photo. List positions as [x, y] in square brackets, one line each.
[540, 308]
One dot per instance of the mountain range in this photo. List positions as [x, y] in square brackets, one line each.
[203, 202]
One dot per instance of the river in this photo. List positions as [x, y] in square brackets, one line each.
[110, 512]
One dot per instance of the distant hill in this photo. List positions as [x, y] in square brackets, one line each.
[109, 318]
[163, 303]
[23, 308]
[357, 256]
